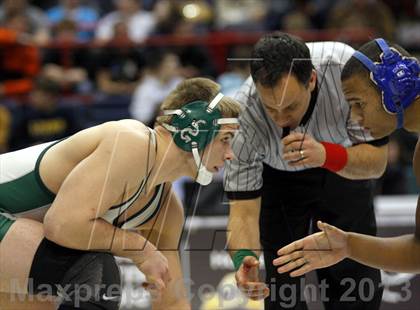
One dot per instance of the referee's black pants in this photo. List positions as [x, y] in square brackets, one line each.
[292, 202]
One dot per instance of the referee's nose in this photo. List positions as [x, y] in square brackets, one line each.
[281, 120]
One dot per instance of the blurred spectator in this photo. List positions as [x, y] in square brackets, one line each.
[195, 61]
[149, 4]
[197, 17]
[186, 19]
[160, 78]
[138, 22]
[5, 126]
[403, 9]
[36, 19]
[168, 16]
[106, 6]
[103, 7]
[306, 15]
[299, 14]
[407, 13]
[72, 67]
[42, 119]
[83, 16]
[183, 17]
[363, 13]
[243, 15]
[20, 60]
[119, 65]
[237, 71]
[275, 13]
[44, 4]
[300, 17]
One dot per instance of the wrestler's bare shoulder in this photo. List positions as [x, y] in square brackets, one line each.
[111, 134]
[126, 139]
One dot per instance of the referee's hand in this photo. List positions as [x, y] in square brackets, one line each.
[301, 149]
[248, 281]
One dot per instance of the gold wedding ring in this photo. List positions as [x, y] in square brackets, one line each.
[302, 154]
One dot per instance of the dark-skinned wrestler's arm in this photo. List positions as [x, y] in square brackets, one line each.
[399, 254]
[331, 245]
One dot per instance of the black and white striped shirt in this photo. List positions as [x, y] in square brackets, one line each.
[327, 119]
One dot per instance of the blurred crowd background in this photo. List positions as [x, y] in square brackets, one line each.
[66, 65]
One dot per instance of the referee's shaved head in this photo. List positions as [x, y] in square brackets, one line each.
[277, 54]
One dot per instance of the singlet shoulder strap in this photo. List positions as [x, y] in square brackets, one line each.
[150, 165]
[153, 137]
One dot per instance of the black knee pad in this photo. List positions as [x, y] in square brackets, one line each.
[81, 280]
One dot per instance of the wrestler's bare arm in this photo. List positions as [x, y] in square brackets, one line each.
[165, 233]
[365, 161]
[416, 168]
[91, 188]
[399, 254]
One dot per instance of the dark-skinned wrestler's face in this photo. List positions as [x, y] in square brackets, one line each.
[366, 106]
[287, 102]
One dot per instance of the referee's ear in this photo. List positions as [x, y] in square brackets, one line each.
[312, 80]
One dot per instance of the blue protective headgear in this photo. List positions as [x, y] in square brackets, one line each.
[396, 76]
[194, 126]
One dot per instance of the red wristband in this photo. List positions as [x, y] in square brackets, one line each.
[335, 156]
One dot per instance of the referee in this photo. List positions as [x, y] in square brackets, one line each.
[299, 159]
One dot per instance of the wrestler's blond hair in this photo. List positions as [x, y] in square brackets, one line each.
[197, 89]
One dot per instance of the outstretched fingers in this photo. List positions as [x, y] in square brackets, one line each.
[284, 259]
[302, 270]
[292, 247]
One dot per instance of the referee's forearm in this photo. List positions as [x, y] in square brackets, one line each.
[243, 225]
[365, 161]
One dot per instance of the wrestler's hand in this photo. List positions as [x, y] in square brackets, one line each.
[154, 265]
[247, 279]
[300, 149]
[318, 250]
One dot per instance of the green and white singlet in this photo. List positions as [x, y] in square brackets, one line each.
[23, 194]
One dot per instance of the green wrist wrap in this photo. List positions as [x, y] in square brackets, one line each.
[239, 256]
